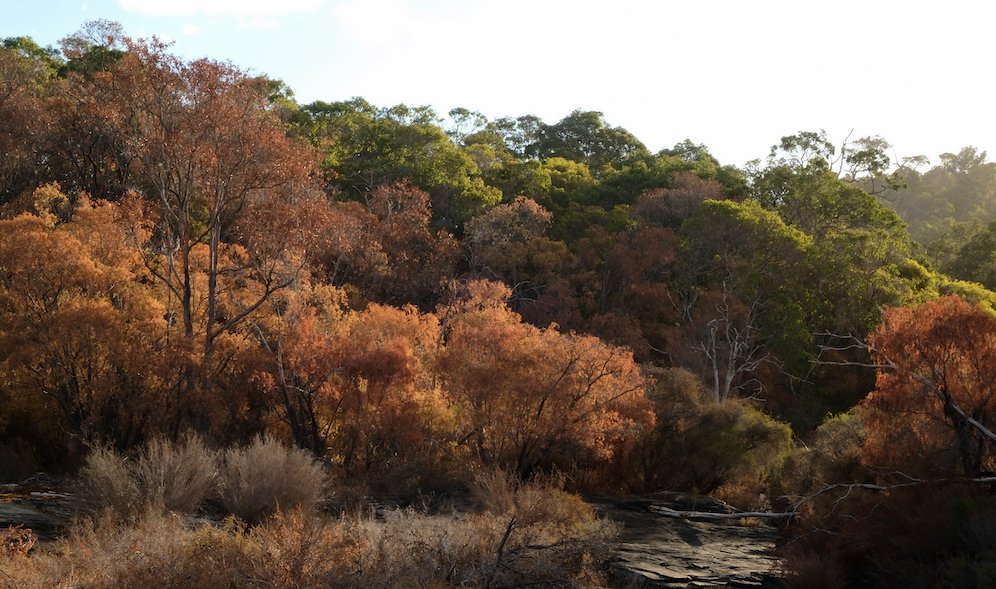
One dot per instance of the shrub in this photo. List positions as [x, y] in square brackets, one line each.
[178, 477]
[167, 476]
[109, 483]
[156, 551]
[258, 479]
[298, 550]
[705, 446]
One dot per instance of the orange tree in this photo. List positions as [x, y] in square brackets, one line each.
[530, 398]
[934, 404]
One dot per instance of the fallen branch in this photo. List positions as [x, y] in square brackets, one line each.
[847, 487]
[706, 515]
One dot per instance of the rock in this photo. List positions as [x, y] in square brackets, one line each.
[654, 551]
[38, 506]
[40, 524]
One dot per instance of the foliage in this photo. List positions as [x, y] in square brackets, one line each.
[257, 480]
[535, 399]
[412, 302]
[702, 445]
[295, 549]
[939, 365]
[366, 147]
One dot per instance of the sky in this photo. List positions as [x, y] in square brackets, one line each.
[735, 75]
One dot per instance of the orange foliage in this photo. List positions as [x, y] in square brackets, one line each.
[77, 332]
[388, 406]
[532, 398]
[940, 374]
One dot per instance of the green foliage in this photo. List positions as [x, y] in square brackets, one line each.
[753, 253]
[702, 445]
[583, 136]
[366, 147]
[28, 49]
[976, 259]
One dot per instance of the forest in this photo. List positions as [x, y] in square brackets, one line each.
[389, 302]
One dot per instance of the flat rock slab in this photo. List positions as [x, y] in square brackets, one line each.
[657, 551]
[47, 512]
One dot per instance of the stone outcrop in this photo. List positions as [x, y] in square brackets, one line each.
[37, 504]
[656, 551]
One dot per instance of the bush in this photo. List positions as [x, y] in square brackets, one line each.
[109, 482]
[156, 551]
[177, 477]
[704, 446]
[164, 475]
[265, 476]
[297, 550]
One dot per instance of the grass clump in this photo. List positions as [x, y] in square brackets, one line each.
[250, 482]
[164, 475]
[265, 476]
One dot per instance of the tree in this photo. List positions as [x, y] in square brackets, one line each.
[491, 237]
[209, 152]
[388, 410]
[82, 348]
[23, 75]
[669, 207]
[583, 136]
[934, 404]
[976, 259]
[536, 399]
[366, 147]
[742, 249]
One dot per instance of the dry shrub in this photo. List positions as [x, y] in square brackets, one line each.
[299, 550]
[480, 550]
[265, 476]
[109, 482]
[539, 501]
[545, 533]
[157, 551]
[178, 477]
[172, 476]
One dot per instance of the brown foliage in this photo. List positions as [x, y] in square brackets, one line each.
[21, 109]
[388, 406]
[76, 329]
[296, 550]
[537, 398]
[668, 207]
[941, 370]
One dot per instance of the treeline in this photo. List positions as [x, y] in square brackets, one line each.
[184, 247]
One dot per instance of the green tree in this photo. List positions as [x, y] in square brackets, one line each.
[976, 259]
[584, 136]
[366, 147]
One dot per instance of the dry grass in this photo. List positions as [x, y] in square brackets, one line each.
[300, 550]
[108, 482]
[156, 551]
[178, 477]
[169, 476]
[266, 476]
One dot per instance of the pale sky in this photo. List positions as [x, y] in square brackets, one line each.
[735, 75]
